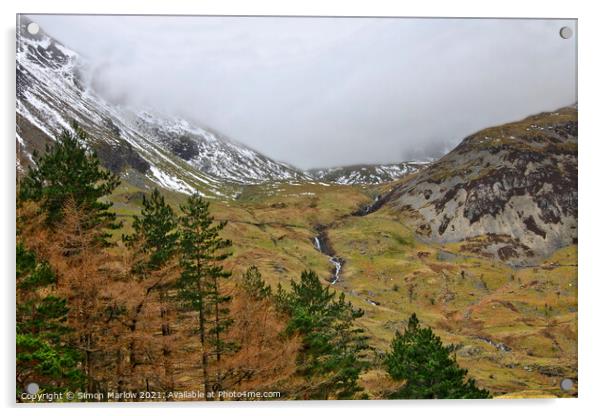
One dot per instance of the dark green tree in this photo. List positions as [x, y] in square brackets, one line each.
[69, 171]
[202, 252]
[155, 234]
[153, 245]
[419, 358]
[43, 356]
[254, 285]
[332, 353]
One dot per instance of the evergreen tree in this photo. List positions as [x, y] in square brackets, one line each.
[201, 256]
[68, 171]
[153, 245]
[331, 357]
[155, 231]
[43, 356]
[253, 284]
[419, 358]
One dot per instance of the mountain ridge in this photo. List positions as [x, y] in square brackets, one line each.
[367, 174]
[507, 191]
[147, 148]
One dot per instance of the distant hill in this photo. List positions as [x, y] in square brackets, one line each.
[366, 174]
[508, 191]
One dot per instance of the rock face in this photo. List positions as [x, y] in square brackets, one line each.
[508, 192]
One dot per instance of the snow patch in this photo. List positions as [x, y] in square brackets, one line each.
[173, 183]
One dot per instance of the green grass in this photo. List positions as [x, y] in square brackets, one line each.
[466, 297]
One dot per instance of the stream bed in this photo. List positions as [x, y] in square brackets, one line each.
[321, 244]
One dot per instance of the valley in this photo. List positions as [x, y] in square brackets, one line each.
[480, 244]
[515, 327]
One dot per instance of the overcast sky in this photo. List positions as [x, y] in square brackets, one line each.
[318, 92]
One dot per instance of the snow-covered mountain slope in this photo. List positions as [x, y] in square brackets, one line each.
[366, 174]
[143, 146]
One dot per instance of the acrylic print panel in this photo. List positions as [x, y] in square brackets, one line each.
[295, 208]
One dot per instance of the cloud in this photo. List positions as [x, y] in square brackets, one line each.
[318, 92]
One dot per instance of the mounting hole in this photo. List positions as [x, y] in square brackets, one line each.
[566, 32]
[33, 28]
[32, 388]
[566, 384]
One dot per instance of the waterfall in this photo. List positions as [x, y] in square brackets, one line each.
[337, 269]
[337, 262]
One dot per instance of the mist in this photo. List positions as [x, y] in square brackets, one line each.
[323, 92]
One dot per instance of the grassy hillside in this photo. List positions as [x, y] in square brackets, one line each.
[515, 328]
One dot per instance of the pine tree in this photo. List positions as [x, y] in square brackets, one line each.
[331, 357]
[69, 171]
[70, 229]
[153, 245]
[419, 358]
[156, 231]
[253, 284]
[201, 256]
[43, 356]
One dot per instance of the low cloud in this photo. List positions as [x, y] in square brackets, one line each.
[318, 92]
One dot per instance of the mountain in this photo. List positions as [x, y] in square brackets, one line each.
[145, 147]
[366, 174]
[508, 192]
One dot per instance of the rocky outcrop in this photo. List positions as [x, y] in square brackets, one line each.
[508, 191]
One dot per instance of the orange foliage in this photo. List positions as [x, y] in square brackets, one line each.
[130, 330]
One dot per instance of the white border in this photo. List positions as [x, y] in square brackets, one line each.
[590, 202]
